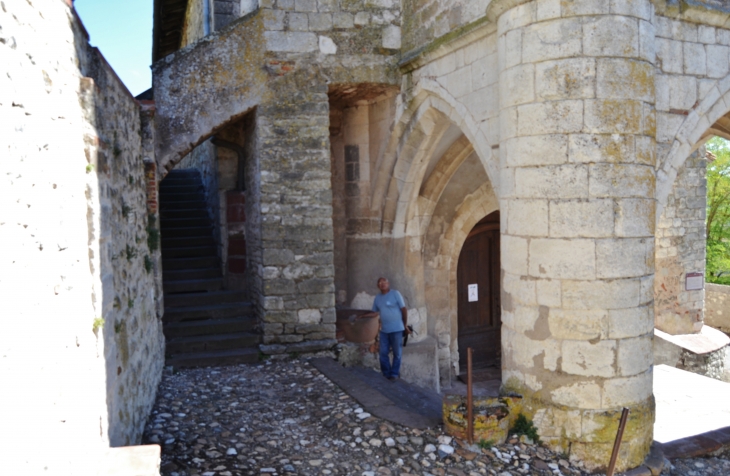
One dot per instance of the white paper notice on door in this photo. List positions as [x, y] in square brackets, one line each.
[473, 292]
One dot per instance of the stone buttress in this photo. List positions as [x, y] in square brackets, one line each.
[577, 154]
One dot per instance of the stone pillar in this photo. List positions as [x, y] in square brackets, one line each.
[577, 152]
[292, 238]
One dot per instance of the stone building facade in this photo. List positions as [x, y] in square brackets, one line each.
[556, 141]
[380, 135]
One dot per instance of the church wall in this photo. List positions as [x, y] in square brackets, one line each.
[78, 279]
[691, 93]
[680, 249]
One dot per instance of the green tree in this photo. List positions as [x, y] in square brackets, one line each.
[718, 212]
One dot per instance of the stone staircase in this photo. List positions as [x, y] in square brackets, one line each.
[204, 324]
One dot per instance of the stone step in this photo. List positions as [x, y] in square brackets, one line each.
[175, 181]
[187, 241]
[190, 252]
[183, 173]
[240, 309]
[177, 189]
[186, 345]
[175, 213]
[203, 298]
[207, 359]
[186, 202]
[168, 225]
[174, 197]
[189, 263]
[186, 274]
[209, 327]
[187, 231]
[192, 285]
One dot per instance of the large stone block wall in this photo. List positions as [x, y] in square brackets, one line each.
[427, 20]
[680, 249]
[351, 27]
[577, 156]
[692, 90]
[79, 327]
[717, 307]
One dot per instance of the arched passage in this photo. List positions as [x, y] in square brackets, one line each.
[430, 186]
[681, 212]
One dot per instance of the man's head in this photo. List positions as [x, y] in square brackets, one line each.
[383, 285]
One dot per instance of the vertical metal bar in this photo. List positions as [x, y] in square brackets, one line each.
[469, 402]
[617, 443]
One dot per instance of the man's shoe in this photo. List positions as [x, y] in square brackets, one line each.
[392, 379]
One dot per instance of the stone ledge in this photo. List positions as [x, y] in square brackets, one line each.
[708, 340]
[698, 445]
[143, 460]
[299, 347]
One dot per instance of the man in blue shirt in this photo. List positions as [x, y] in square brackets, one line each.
[394, 322]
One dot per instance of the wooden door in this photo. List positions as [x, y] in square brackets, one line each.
[479, 320]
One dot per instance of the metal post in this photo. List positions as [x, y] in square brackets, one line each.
[617, 443]
[469, 409]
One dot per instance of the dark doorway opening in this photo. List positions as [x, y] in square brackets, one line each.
[479, 308]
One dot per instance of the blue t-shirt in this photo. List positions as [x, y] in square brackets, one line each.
[389, 306]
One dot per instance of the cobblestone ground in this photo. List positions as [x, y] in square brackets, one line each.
[712, 466]
[287, 418]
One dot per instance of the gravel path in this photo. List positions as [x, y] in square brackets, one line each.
[286, 417]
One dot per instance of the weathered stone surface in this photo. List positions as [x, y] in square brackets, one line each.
[77, 262]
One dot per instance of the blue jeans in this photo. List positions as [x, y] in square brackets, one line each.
[391, 340]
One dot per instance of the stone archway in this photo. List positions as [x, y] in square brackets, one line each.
[439, 187]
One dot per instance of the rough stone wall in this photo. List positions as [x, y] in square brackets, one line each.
[717, 307]
[74, 232]
[680, 249]
[133, 340]
[296, 271]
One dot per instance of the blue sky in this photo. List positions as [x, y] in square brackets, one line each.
[122, 30]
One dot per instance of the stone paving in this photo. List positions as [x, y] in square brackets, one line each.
[285, 417]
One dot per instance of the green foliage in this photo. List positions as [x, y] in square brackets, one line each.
[130, 303]
[485, 444]
[125, 210]
[98, 323]
[89, 168]
[718, 213]
[148, 264]
[118, 327]
[523, 426]
[130, 252]
[153, 234]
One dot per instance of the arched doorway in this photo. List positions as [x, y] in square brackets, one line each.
[478, 291]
